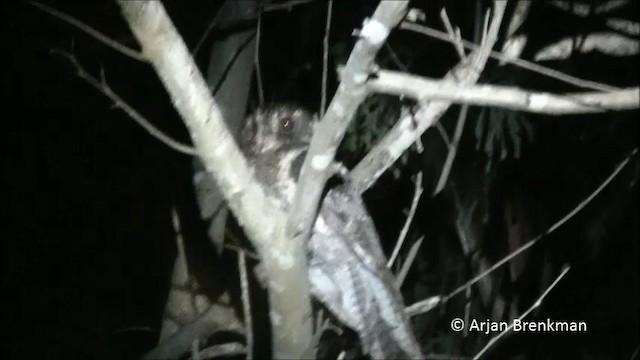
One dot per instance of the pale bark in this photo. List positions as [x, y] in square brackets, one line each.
[285, 265]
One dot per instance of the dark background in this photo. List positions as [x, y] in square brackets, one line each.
[89, 245]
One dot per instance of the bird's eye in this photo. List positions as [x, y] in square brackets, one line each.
[287, 123]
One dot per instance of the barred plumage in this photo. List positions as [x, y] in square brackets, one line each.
[347, 267]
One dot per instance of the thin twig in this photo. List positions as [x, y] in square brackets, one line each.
[246, 303]
[443, 134]
[406, 265]
[590, 197]
[323, 324]
[405, 228]
[452, 34]
[228, 349]
[239, 249]
[286, 5]
[325, 59]
[204, 36]
[134, 54]
[218, 318]
[235, 238]
[453, 149]
[414, 309]
[395, 58]
[212, 24]
[543, 70]
[552, 228]
[182, 253]
[195, 349]
[137, 328]
[118, 102]
[485, 27]
[467, 311]
[256, 60]
[535, 305]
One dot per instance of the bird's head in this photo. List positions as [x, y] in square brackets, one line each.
[275, 140]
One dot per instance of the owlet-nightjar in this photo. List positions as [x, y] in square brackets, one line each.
[347, 267]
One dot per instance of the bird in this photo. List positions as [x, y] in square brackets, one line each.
[347, 266]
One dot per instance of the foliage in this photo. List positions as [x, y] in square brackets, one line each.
[498, 130]
[374, 118]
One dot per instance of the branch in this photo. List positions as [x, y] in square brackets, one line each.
[421, 306]
[531, 66]
[608, 43]
[453, 149]
[424, 89]
[514, 44]
[263, 222]
[406, 265]
[226, 350]
[118, 102]
[217, 318]
[246, 303]
[325, 58]
[535, 305]
[256, 60]
[405, 228]
[453, 34]
[288, 5]
[407, 130]
[628, 27]
[329, 133]
[134, 54]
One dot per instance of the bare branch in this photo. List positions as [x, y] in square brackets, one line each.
[587, 84]
[406, 265]
[205, 34]
[217, 318]
[288, 5]
[285, 265]
[424, 89]
[424, 306]
[118, 102]
[325, 59]
[418, 307]
[246, 303]
[256, 60]
[609, 6]
[518, 18]
[329, 133]
[406, 131]
[453, 149]
[228, 349]
[631, 28]
[608, 43]
[443, 134]
[395, 58]
[535, 305]
[189, 307]
[405, 228]
[452, 33]
[136, 55]
[246, 16]
[514, 44]
[181, 306]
